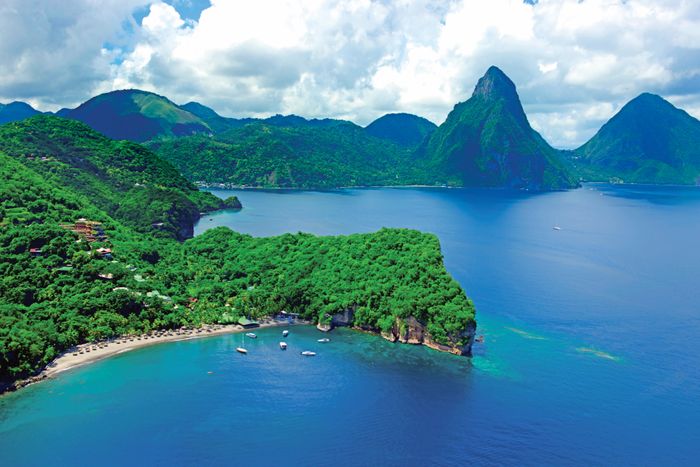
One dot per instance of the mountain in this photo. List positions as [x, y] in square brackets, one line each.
[308, 155]
[122, 178]
[647, 141]
[15, 111]
[297, 121]
[487, 141]
[216, 122]
[137, 116]
[219, 124]
[403, 129]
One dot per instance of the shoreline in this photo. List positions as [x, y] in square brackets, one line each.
[85, 354]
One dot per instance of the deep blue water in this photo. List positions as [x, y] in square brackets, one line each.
[592, 352]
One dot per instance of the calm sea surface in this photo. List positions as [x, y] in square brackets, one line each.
[592, 352]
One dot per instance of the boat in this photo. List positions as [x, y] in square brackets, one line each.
[285, 333]
[283, 345]
[251, 335]
[324, 340]
[241, 350]
[556, 227]
[308, 353]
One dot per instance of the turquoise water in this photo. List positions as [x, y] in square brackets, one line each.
[591, 354]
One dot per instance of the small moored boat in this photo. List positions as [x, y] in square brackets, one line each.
[308, 353]
[251, 335]
[324, 340]
[285, 333]
[283, 345]
[241, 350]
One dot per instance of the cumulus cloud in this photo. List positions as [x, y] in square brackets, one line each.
[53, 53]
[575, 63]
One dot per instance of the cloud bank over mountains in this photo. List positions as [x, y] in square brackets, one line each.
[575, 63]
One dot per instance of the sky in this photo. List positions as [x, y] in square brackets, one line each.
[575, 62]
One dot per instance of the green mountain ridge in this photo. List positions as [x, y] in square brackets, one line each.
[647, 141]
[307, 156]
[15, 111]
[487, 141]
[137, 116]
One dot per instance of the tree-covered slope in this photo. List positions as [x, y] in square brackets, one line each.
[57, 290]
[306, 156]
[647, 141]
[15, 111]
[119, 177]
[487, 141]
[216, 122]
[219, 124]
[403, 129]
[137, 116]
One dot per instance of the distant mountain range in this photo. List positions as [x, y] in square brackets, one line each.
[485, 141]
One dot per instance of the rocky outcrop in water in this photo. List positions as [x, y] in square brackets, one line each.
[412, 331]
[408, 331]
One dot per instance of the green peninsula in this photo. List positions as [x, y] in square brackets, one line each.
[81, 258]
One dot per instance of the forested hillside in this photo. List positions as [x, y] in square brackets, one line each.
[120, 177]
[647, 141]
[308, 156]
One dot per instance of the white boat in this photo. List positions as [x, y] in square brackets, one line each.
[285, 333]
[308, 353]
[251, 335]
[556, 227]
[283, 345]
[324, 340]
[241, 350]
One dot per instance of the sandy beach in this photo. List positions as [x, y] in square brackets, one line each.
[91, 352]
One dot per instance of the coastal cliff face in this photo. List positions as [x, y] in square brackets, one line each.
[408, 331]
[344, 318]
[412, 331]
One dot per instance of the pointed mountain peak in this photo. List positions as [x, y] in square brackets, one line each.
[648, 99]
[494, 85]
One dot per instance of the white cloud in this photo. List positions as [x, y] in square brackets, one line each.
[575, 63]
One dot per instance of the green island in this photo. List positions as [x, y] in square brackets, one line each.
[94, 243]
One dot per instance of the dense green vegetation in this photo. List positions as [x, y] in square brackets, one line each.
[403, 129]
[488, 141]
[137, 116]
[647, 141]
[57, 290]
[119, 177]
[306, 156]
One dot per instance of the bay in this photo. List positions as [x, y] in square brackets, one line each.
[591, 351]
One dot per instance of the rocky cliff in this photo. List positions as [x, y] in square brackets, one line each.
[407, 331]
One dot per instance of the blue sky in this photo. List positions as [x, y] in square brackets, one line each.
[575, 62]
